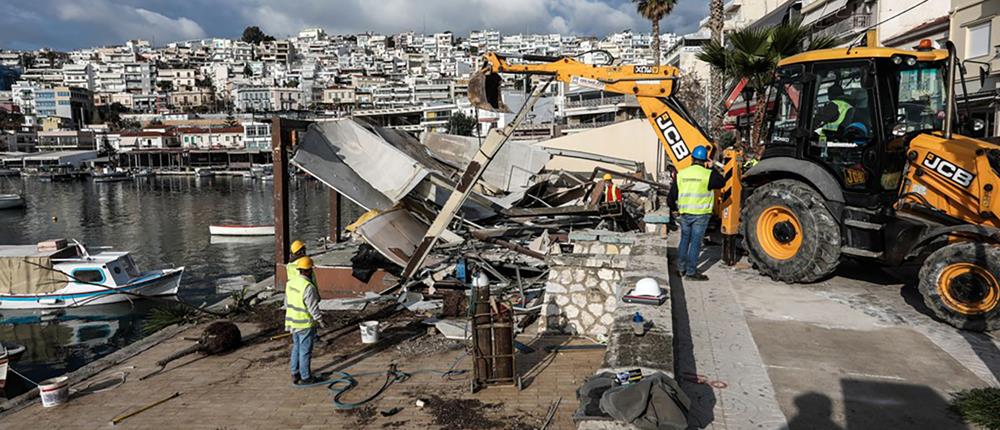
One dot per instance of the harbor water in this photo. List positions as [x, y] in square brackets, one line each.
[162, 222]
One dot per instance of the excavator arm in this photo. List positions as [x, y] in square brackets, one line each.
[654, 87]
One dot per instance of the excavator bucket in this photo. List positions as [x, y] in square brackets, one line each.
[484, 91]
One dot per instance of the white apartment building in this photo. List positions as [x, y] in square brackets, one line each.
[256, 136]
[78, 75]
[180, 79]
[210, 138]
[268, 99]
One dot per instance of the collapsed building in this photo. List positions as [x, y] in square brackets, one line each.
[531, 241]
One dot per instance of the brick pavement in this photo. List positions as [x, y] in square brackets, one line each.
[250, 389]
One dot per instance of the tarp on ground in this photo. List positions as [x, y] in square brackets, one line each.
[511, 169]
[358, 163]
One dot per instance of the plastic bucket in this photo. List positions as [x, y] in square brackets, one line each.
[54, 391]
[369, 332]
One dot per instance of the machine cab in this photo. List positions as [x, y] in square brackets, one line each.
[849, 115]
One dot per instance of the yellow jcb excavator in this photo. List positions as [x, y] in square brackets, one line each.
[861, 159]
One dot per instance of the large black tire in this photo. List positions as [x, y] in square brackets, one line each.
[960, 285]
[799, 240]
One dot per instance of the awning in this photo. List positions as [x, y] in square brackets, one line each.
[817, 10]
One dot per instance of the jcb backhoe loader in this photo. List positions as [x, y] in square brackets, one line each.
[860, 160]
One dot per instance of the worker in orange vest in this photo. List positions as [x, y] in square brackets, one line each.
[611, 192]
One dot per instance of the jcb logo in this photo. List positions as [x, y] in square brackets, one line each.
[672, 137]
[949, 170]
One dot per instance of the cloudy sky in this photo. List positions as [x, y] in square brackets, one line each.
[71, 24]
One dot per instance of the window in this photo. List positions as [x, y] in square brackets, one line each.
[842, 125]
[94, 276]
[977, 40]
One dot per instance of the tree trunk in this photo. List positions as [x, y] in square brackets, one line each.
[758, 121]
[656, 42]
[716, 83]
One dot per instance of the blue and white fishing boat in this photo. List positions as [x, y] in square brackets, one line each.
[40, 277]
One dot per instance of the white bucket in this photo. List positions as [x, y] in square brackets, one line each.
[54, 391]
[369, 332]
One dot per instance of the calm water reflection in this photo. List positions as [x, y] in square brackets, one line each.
[162, 222]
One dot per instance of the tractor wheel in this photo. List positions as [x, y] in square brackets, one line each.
[961, 284]
[789, 233]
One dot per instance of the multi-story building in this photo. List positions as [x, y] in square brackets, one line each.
[147, 139]
[74, 103]
[25, 140]
[66, 140]
[268, 99]
[211, 138]
[179, 79]
[975, 31]
[585, 108]
[78, 75]
[840, 19]
[191, 98]
[257, 136]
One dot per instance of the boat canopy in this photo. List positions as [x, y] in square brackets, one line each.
[24, 270]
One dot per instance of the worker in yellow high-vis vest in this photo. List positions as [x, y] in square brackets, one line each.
[302, 315]
[690, 201]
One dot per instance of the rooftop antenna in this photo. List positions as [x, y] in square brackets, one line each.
[865, 31]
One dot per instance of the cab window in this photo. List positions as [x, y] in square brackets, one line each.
[784, 104]
[841, 122]
[93, 276]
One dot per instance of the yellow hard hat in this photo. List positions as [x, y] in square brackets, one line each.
[297, 246]
[304, 263]
[607, 176]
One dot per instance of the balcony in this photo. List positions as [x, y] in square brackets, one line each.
[732, 5]
[606, 101]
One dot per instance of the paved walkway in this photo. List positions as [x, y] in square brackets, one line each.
[250, 389]
[856, 351]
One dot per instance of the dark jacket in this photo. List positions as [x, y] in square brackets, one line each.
[715, 182]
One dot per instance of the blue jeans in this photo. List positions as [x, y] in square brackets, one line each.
[692, 233]
[302, 346]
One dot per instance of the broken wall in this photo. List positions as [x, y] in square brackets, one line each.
[581, 293]
[630, 140]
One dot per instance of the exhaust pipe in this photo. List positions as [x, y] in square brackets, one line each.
[484, 91]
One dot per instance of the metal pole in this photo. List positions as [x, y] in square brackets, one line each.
[334, 216]
[279, 155]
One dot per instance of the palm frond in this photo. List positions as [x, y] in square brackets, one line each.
[654, 9]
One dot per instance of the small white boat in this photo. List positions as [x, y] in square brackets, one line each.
[202, 172]
[241, 230]
[69, 277]
[11, 201]
[108, 174]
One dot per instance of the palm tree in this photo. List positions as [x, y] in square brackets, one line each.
[753, 54]
[655, 10]
[715, 23]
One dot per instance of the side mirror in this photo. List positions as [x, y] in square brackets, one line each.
[899, 130]
[978, 124]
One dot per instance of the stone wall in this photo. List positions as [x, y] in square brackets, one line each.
[582, 291]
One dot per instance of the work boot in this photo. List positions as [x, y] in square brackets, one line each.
[697, 277]
[296, 379]
[309, 381]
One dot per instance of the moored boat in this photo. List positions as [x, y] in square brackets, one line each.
[56, 275]
[11, 201]
[241, 230]
[110, 175]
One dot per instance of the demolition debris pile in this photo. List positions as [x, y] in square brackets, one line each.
[515, 219]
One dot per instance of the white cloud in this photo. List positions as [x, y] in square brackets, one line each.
[129, 22]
